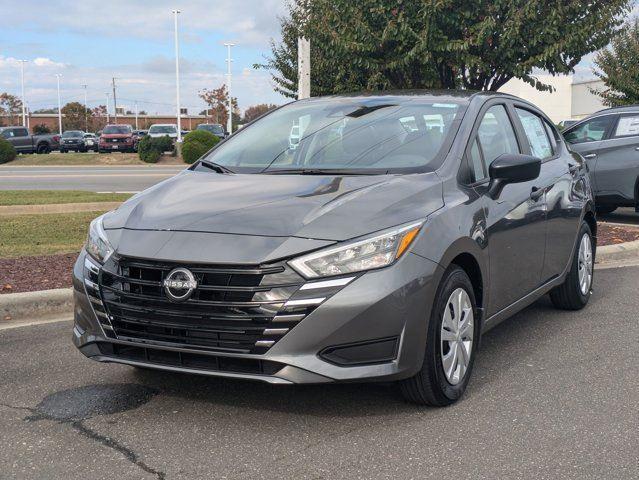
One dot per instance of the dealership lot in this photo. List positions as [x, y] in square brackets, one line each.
[554, 395]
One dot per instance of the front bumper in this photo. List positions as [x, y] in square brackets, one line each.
[373, 329]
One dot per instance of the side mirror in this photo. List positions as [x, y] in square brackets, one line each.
[512, 168]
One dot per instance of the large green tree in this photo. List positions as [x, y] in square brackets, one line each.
[11, 108]
[400, 44]
[618, 67]
[76, 117]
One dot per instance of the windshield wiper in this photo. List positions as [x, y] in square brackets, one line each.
[316, 171]
[216, 167]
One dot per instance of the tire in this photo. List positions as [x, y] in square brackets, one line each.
[63, 150]
[572, 294]
[43, 149]
[605, 209]
[431, 385]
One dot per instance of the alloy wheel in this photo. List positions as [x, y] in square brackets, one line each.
[457, 336]
[585, 264]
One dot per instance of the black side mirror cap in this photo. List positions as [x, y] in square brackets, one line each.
[512, 168]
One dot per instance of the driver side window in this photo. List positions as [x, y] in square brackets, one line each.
[590, 131]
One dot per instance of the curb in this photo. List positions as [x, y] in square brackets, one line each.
[58, 208]
[26, 305]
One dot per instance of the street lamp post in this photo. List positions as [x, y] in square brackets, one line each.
[229, 120]
[177, 75]
[24, 105]
[136, 114]
[57, 76]
[86, 116]
[107, 107]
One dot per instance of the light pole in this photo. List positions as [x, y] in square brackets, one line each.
[115, 104]
[86, 117]
[177, 76]
[229, 120]
[136, 114]
[57, 76]
[107, 106]
[304, 63]
[24, 107]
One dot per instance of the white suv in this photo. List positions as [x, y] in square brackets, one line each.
[162, 130]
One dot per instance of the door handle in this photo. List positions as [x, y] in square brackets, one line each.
[590, 155]
[536, 193]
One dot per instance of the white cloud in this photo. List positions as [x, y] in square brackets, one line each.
[47, 62]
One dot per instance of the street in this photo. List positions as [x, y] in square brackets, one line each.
[554, 395]
[91, 178]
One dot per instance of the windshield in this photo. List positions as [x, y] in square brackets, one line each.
[72, 134]
[212, 128]
[162, 129]
[375, 135]
[116, 129]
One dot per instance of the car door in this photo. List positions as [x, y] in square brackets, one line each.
[617, 167]
[586, 138]
[558, 177]
[22, 140]
[515, 220]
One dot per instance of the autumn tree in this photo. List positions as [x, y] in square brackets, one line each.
[75, 116]
[41, 129]
[217, 100]
[618, 67]
[254, 111]
[10, 107]
[480, 45]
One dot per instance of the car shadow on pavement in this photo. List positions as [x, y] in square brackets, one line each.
[534, 326]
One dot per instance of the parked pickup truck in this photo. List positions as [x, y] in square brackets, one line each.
[24, 142]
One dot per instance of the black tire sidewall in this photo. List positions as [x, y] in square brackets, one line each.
[584, 230]
[453, 279]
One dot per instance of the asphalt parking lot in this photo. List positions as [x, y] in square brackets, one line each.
[621, 215]
[554, 395]
[91, 178]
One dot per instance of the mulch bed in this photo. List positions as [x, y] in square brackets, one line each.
[28, 274]
[613, 234]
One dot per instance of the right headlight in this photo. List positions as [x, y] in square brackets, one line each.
[370, 253]
[98, 245]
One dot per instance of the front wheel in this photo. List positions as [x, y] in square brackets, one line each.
[452, 340]
[575, 292]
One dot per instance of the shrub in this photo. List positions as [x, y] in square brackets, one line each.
[41, 129]
[151, 149]
[7, 152]
[196, 144]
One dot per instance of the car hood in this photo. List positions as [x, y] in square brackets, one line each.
[313, 207]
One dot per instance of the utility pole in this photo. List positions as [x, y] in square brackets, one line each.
[115, 103]
[303, 65]
[177, 76]
[229, 120]
[57, 76]
[136, 114]
[24, 107]
[107, 107]
[86, 116]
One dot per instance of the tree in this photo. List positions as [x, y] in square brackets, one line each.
[480, 45]
[41, 129]
[618, 67]
[76, 117]
[217, 100]
[11, 107]
[252, 112]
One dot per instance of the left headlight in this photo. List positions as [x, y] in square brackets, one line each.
[98, 245]
[370, 253]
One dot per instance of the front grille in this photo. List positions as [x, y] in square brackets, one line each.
[235, 309]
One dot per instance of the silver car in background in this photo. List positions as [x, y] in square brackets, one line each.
[609, 141]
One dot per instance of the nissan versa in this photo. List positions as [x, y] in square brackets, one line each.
[378, 246]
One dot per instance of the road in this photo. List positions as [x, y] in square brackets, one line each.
[554, 396]
[91, 178]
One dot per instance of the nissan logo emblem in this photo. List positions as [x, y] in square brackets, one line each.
[179, 284]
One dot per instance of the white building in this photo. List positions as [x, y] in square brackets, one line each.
[570, 99]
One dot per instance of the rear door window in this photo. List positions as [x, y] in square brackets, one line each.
[592, 130]
[536, 134]
[627, 126]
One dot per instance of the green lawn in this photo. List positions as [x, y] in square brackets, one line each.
[43, 197]
[24, 235]
[78, 159]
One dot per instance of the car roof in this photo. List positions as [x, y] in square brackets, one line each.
[620, 109]
[463, 96]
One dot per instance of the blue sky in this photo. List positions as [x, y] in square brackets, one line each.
[90, 41]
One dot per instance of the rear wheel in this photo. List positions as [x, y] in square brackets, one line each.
[43, 148]
[575, 292]
[452, 339]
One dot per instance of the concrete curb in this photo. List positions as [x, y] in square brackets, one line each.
[23, 307]
[26, 305]
[58, 208]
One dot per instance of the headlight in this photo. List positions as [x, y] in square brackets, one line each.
[97, 244]
[375, 252]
